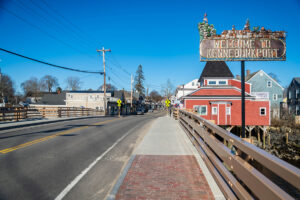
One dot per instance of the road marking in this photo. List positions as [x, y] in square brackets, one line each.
[85, 171]
[7, 150]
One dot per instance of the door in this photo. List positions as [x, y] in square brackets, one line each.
[222, 114]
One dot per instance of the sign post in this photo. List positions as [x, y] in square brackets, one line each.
[241, 45]
[119, 105]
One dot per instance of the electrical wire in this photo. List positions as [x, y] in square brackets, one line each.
[41, 30]
[53, 65]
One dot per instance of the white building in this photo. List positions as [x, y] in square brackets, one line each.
[87, 99]
[183, 90]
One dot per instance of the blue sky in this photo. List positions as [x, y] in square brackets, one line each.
[160, 35]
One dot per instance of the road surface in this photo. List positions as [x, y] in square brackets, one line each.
[78, 159]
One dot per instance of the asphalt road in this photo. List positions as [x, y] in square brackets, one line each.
[78, 159]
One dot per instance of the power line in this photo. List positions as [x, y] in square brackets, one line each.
[117, 64]
[75, 27]
[58, 21]
[41, 30]
[53, 65]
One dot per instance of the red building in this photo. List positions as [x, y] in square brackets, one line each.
[219, 98]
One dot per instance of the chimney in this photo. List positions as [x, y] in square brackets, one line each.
[238, 77]
[248, 72]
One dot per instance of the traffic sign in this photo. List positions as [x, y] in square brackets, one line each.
[119, 102]
[167, 102]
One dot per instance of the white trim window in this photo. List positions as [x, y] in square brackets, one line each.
[212, 82]
[202, 110]
[217, 82]
[269, 84]
[214, 110]
[297, 110]
[228, 110]
[262, 111]
[297, 93]
[275, 97]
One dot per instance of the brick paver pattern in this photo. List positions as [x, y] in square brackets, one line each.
[164, 177]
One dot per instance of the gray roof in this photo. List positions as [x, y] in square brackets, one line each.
[54, 98]
[297, 79]
[215, 69]
[88, 91]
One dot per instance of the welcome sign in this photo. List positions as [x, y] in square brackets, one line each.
[237, 49]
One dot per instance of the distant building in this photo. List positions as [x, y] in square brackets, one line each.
[219, 98]
[263, 86]
[187, 88]
[86, 99]
[293, 97]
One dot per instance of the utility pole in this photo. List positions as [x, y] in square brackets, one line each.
[104, 75]
[131, 91]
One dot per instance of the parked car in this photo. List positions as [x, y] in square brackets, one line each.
[139, 112]
[23, 104]
[150, 110]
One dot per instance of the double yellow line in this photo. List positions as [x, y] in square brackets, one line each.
[4, 151]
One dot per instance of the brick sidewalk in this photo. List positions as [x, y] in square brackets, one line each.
[164, 177]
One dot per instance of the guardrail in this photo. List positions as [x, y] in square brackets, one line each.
[242, 170]
[16, 114]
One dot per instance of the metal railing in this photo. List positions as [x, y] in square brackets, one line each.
[242, 170]
[16, 114]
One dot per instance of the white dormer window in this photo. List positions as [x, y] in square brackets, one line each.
[193, 83]
[217, 82]
[269, 84]
[212, 82]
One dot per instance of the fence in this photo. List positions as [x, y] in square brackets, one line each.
[16, 114]
[242, 170]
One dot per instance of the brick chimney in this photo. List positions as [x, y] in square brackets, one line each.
[248, 72]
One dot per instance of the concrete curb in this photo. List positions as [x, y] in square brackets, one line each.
[120, 180]
[44, 122]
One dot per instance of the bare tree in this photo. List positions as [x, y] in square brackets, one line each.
[31, 87]
[6, 88]
[109, 87]
[274, 76]
[73, 83]
[167, 89]
[48, 82]
[155, 96]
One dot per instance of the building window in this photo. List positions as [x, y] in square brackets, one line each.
[203, 110]
[297, 93]
[297, 110]
[290, 110]
[290, 95]
[269, 84]
[212, 82]
[193, 83]
[222, 83]
[228, 111]
[214, 110]
[263, 111]
[275, 97]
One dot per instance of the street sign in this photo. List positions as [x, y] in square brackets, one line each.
[167, 102]
[119, 102]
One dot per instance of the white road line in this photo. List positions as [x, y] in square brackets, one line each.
[84, 172]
